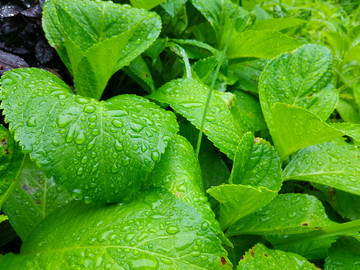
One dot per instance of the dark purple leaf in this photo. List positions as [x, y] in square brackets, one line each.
[43, 52]
[9, 10]
[10, 61]
[33, 12]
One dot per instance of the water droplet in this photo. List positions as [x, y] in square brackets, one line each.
[80, 171]
[31, 122]
[89, 109]
[149, 263]
[80, 138]
[63, 120]
[117, 123]
[118, 145]
[172, 230]
[136, 127]
[155, 156]
[82, 100]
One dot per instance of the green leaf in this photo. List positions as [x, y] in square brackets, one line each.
[344, 254]
[260, 44]
[256, 164]
[188, 97]
[3, 218]
[303, 79]
[156, 231]
[255, 180]
[250, 113]
[277, 24]
[294, 128]
[34, 197]
[95, 39]
[211, 10]
[139, 71]
[10, 162]
[99, 151]
[237, 201]
[260, 257]
[328, 164]
[146, 4]
[285, 214]
[179, 172]
[172, 7]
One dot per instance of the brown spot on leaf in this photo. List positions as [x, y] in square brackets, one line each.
[266, 255]
[304, 224]
[252, 253]
[7, 151]
[317, 228]
[146, 75]
[223, 261]
[242, 258]
[3, 142]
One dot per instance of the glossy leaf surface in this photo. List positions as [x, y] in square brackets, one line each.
[95, 39]
[34, 197]
[277, 24]
[157, 231]
[260, 257]
[146, 4]
[188, 97]
[100, 151]
[285, 214]
[328, 164]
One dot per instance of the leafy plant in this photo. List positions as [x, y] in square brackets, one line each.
[91, 179]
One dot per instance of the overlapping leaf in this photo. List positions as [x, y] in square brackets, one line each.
[96, 41]
[260, 257]
[156, 231]
[10, 162]
[188, 97]
[99, 151]
[286, 214]
[34, 197]
[265, 44]
[255, 180]
[344, 254]
[327, 164]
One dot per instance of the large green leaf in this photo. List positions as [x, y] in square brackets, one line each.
[34, 197]
[10, 162]
[302, 79]
[327, 164]
[188, 97]
[344, 254]
[260, 257]
[295, 128]
[100, 151]
[95, 39]
[156, 231]
[286, 214]
[260, 44]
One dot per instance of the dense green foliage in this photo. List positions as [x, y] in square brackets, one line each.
[198, 135]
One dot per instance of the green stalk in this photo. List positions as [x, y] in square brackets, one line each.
[217, 70]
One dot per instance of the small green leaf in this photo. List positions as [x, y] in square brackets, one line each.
[285, 214]
[302, 79]
[260, 44]
[260, 257]
[173, 7]
[188, 97]
[99, 151]
[146, 4]
[344, 254]
[327, 164]
[10, 162]
[155, 231]
[95, 39]
[237, 201]
[3, 218]
[277, 24]
[34, 197]
[256, 164]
